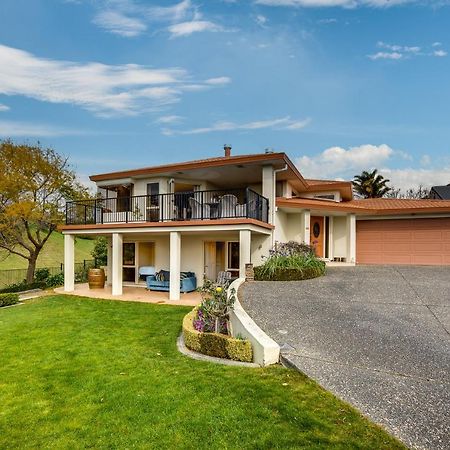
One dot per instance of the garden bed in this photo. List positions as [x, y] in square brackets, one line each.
[215, 344]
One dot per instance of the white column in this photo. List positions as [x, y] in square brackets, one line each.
[351, 238]
[268, 190]
[245, 239]
[305, 222]
[69, 262]
[109, 262]
[175, 265]
[331, 238]
[117, 261]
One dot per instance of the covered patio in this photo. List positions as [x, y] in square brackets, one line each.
[134, 294]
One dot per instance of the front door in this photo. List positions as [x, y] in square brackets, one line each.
[317, 235]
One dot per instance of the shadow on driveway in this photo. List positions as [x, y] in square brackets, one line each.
[376, 336]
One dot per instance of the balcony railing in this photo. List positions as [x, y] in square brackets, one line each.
[180, 206]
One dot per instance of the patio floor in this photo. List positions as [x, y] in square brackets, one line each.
[133, 294]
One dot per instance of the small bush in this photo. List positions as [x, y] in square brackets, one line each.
[9, 299]
[41, 275]
[22, 286]
[290, 261]
[55, 280]
[215, 344]
[81, 276]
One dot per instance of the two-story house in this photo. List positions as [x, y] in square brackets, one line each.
[220, 213]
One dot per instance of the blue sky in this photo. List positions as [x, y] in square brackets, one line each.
[340, 85]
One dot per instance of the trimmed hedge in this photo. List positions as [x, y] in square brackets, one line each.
[287, 274]
[9, 299]
[215, 344]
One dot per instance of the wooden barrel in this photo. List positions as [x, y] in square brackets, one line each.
[96, 278]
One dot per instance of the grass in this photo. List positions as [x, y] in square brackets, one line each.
[84, 373]
[52, 255]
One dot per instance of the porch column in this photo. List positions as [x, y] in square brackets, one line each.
[69, 262]
[331, 238]
[305, 221]
[175, 265]
[268, 190]
[351, 238]
[109, 262]
[245, 239]
[117, 261]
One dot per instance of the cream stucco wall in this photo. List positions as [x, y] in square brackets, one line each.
[340, 236]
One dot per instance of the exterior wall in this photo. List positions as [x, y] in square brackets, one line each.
[281, 226]
[260, 247]
[339, 236]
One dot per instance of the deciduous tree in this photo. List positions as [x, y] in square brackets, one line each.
[35, 182]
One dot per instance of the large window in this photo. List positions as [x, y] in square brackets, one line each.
[129, 254]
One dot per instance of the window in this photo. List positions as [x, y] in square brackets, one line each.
[124, 198]
[128, 254]
[153, 191]
[233, 255]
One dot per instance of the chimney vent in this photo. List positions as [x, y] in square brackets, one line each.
[227, 148]
[268, 150]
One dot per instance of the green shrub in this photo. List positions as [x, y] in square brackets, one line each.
[9, 299]
[290, 261]
[100, 251]
[215, 344]
[41, 275]
[22, 286]
[55, 280]
[82, 275]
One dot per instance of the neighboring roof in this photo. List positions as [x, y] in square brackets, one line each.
[372, 206]
[443, 192]
[221, 161]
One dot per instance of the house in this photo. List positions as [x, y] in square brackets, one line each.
[440, 192]
[220, 213]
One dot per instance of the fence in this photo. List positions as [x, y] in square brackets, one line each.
[11, 276]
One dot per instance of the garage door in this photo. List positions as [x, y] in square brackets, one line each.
[405, 241]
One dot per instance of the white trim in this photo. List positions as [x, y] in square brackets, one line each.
[167, 230]
[330, 238]
[265, 350]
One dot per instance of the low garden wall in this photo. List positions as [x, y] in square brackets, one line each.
[215, 344]
[265, 350]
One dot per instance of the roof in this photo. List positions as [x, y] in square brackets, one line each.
[443, 192]
[345, 187]
[221, 161]
[372, 206]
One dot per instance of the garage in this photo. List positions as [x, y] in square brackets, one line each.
[403, 241]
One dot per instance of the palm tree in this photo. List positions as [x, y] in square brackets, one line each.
[371, 184]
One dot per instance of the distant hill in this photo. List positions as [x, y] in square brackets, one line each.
[52, 254]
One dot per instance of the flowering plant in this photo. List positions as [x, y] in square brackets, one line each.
[213, 312]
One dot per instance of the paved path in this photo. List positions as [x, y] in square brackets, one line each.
[378, 337]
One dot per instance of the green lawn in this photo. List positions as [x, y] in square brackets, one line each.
[52, 254]
[84, 373]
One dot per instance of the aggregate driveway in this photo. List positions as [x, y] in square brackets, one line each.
[376, 336]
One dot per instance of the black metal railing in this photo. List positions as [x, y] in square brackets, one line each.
[179, 206]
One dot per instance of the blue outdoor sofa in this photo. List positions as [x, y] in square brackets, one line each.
[161, 281]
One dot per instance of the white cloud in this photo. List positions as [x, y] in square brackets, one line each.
[24, 129]
[4, 107]
[218, 81]
[440, 53]
[261, 20]
[118, 23]
[425, 160]
[169, 119]
[131, 18]
[126, 89]
[326, 21]
[193, 26]
[385, 55]
[395, 51]
[339, 162]
[335, 3]
[284, 123]
[410, 178]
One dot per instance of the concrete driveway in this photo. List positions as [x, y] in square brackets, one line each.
[376, 336]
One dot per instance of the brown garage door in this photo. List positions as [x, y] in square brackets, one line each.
[404, 241]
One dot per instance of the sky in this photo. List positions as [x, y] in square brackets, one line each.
[341, 86]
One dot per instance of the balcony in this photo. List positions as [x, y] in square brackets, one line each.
[179, 206]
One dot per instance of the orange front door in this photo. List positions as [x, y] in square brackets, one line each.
[317, 235]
